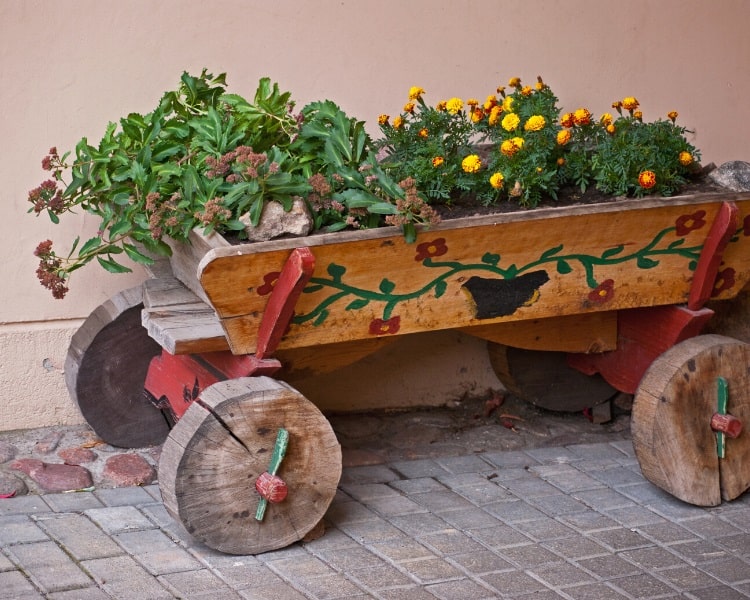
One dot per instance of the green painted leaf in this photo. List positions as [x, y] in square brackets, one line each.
[336, 271]
[387, 286]
[357, 304]
[551, 251]
[440, 288]
[612, 251]
[491, 259]
[644, 262]
[320, 319]
[676, 244]
[563, 267]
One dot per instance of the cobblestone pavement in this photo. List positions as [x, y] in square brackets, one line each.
[448, 517]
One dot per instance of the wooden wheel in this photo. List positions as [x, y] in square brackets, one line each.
[545, 379]
[672, 419]
[222, 444]
[105, 369]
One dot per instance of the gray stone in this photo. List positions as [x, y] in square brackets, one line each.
[275, 221]
[7, 451]
[11, 486]
[49, 442]
[733, 175]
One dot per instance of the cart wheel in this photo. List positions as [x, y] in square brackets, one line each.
[215, 453]
[105, 370]
[672, 418]
[545, 380]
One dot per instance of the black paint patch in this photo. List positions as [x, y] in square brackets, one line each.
[691, 365]
[502, 297]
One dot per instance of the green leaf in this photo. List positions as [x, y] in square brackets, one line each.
[320, 319]
[440, 287]
[563, 267]
[644, 262]
[551, 252]
[136, 256]
[90, 245]
[121, 227]
[491, 259]
[382, 208]
[357, 304]
[336, 271]
[112, 266]
[612, 251]
[387, 286]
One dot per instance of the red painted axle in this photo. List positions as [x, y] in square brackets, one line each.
[729, 425]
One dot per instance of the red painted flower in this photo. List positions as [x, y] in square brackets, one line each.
[724, 281]
[429, 249]
[604, 292]
[687, 223]
[385, 327]
[746, 226]
[269, 281]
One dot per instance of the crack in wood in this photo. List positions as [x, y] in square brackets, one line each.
[223, 423]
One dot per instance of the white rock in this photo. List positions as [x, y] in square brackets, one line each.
[275, 222]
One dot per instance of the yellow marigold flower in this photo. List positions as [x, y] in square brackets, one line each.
[617, 105]
[497, 180]
[539, 169]
[540, 85]
[415, 92]
[423, 132]
[510, 121]
[472, 102]
[535, 123]
[437, 161]
[672, 114]
[685, 158]
[409, 107]
[476, 115]
[606, 119]
[495, 113]
[518, 141]
[647, 179]
[471, 164]
[567, 120]
[397, 122]
[611, 128]
[563, 137]
[582, 116]
[508, 148]
[508, 104]
[638, 115]
[441, 106]
[454, 105]
[515, 82]
[383, 120]
[490, 102]
[526, 91]
[630, 103]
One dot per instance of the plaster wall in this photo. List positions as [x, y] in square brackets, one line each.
[68, 68]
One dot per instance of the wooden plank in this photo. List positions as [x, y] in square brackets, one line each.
[535, 264]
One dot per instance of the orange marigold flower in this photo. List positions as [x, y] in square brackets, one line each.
[497, 180]
[397, 122]
[685, 158]
[638, 115]
[383, 120]
[409, 107]
[477, 114]
[490, 102]
[567, 120]
[630, 103]
[508, 148]
[563, 136]
[471, 164]
[501, 90]
[472, 102]
[515, 82]
[423, 133]
[535, 123]
[441, 106]
[495, 113]
[510, 122]
[647, 179]
[560, 161]
[582, 116]
[611, 128]
[518, 141]
[673, 114]
[606, 119]
[437, 161]
[454, 105]
[415, 92]
[526, 91]
[617, 105]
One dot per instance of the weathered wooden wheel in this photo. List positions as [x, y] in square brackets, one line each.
[545, 380]
[105, 369]
[674, 421]
[225, 440]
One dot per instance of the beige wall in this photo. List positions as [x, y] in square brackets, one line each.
[67, 68]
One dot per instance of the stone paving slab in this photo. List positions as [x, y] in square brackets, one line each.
[573, 522]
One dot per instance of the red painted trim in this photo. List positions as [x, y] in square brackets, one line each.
[722, 229]
[643, 334]
[279, 310]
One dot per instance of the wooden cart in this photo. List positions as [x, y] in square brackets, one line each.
[576, 303]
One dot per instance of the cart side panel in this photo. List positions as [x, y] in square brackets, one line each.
[520, 266]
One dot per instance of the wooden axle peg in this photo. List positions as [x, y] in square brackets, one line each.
[727, 424]
[271, 487]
